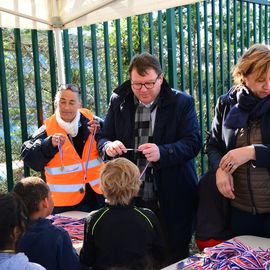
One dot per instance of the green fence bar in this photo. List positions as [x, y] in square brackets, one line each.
[95, 68]
[242, 32]
[140, 30]
[254, 24]
[170, 20]
[107, 61]
[248, 24]
[37, 77]
[190, 59]
[67, 56]
[181, 46]
[19, 64]
[82, 67]
[266, 29]
[6, 125]
[119, 52]
[221, 47]
[200, 87]
[213, 9]
[235, 31]
[228, 24]
[260, 24]
[129, 38]
[150, 33]
[207, 84]
[160, 40]
[52, 65]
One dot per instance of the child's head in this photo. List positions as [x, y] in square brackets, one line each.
[35, 194]
[12, 220]
[120, 181]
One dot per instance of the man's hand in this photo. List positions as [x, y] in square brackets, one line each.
[115, 148]
[224, 183]
[237, 157]
[58, 139]
[151, 151]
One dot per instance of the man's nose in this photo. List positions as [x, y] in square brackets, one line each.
[144, 89]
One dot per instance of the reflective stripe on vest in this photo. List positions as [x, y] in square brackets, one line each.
[72, 168]
[71, 188]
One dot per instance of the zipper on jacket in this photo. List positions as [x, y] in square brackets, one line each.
[254, 210]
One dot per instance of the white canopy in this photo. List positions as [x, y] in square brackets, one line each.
[49, 14]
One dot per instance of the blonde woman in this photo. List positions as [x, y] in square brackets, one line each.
[239, 147]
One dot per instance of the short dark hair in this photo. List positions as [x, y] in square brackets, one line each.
[13, 213]
[144, 61]
[32, 191]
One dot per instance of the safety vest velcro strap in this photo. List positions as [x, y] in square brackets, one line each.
[65, 188]
[64, 170]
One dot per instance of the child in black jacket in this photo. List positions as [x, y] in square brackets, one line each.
[122, 235]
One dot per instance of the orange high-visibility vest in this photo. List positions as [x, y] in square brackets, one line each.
[68, 175]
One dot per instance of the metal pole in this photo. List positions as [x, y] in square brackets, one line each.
[59, 55]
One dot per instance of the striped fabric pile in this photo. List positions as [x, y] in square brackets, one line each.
[231, 254]
[74, 227]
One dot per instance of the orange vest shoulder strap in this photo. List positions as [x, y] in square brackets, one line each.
[86, 113]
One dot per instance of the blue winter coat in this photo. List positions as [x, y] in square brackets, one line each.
[177, 135]
[49, 246]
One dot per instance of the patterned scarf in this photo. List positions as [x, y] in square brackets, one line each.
[244, 107]
[144, 134]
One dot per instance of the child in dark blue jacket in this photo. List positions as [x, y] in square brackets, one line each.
[43, 242]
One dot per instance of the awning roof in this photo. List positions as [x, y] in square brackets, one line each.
[46, 14]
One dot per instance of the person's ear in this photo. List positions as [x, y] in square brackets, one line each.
[45, 202]
[161, 76]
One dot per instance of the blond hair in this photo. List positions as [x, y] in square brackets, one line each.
[120, 181]
[255, 60]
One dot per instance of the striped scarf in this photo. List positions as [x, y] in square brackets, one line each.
[144, 134]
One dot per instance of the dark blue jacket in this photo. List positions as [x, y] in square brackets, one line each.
[177, 135]
[49, 246]
[223, 139]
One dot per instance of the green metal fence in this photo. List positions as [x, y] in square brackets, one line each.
[197, 46]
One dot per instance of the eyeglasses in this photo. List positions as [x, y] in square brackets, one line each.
[69, 86]
[147, 85]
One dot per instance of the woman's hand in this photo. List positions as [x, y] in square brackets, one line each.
[58, 139]
[224, 182]
[237, 157]
[92, 125]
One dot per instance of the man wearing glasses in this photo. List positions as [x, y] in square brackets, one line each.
[157, 128]
[65, 148]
